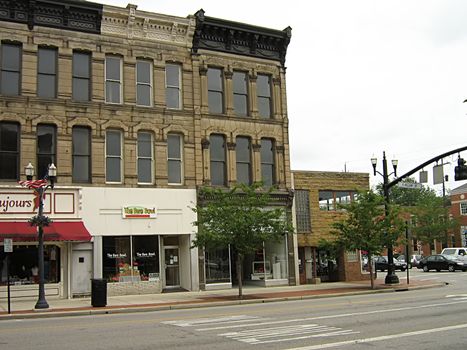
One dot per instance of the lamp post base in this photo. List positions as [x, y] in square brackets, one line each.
[41, 304]
[391, 279]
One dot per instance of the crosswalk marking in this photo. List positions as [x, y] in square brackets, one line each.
[254, 331]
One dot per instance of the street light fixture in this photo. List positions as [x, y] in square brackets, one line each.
[39, 187]
[391, 277]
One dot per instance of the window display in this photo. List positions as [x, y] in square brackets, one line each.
[23, 265]
[131, 258]
[217, 265]
[276, 257]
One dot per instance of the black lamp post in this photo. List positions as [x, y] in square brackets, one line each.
[40, 221]
[391, 277]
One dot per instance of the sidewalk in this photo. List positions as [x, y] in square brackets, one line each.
[24, 308]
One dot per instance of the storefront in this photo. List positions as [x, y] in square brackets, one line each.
[266, 267]
[63, 239]
[142, 238]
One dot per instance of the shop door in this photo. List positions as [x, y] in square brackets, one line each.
[172, 271]
[81, 272]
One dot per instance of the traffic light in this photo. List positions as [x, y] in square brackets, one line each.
[460, 171]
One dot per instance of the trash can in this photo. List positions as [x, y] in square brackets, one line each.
[98, 292]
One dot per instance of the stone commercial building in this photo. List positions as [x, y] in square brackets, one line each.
[318, 195]
[137, 110]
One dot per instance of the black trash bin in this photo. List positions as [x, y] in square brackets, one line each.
[98, 292]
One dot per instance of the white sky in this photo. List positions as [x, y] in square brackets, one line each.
[363, 77]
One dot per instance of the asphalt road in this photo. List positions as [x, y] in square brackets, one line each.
[423, 319]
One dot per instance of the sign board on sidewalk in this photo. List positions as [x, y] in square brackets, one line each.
[8, 245]
[410, 185]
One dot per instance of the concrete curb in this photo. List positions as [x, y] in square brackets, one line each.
[18, 315]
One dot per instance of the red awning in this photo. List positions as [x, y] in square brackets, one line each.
[22, 231]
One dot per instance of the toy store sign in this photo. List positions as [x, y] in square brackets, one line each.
[16, 203]
[139, 213]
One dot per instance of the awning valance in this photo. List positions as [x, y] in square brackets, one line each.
[22, 231]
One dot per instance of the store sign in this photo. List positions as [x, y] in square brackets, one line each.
[16, 203]
[139, 213]
[8, 245]
[145, 255]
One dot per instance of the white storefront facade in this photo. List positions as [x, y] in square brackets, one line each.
[67, 243]
[142, 238]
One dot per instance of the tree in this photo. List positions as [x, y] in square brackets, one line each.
[431, 220]
[430, 212]
[367, 227]
[241, 217]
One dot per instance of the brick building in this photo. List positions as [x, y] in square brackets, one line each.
[137, 110]
[458, 211]
[317, 196]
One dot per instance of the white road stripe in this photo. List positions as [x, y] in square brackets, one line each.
[331, 316]
[381, 338]
[217, 320]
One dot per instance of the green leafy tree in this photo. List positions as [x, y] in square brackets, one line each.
[429, 211]
[431, 220]
[241, 217]
[367, 227]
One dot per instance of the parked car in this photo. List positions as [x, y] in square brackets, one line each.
[440, 262]
[414, 260]
[461, 253]
[381, 264]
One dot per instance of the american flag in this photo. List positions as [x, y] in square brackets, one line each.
[34, 183]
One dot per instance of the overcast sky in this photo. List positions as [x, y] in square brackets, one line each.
[363, 77]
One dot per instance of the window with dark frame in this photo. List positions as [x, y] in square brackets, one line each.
[81, 149]
[240, 93]
[47, 72]
[46, 148]
[10, 80]
[173, 86]
[302, 210]
[113, 79]
[243, 155]
[331, 200]
[113, 156]
[145, 157]
[215, 90]
[143, 83]
[174, 159]
[263, 88]
[10, 133]
[267, 162]
[218, 160]
[81, 76]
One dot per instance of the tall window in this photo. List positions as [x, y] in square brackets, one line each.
[215, 90]
[263, 87]
[81, 166]
[173, 86]
[81, 76]
[113, 79]
[46, 148]
[10, 81]
[218, 160]
[463, 208]
[267, 162]
[174, 158]
[302, 210]
[240, 93]
[47, 72]
[143, 83]
[145, 157]
[9, 150]
[243, 155]
[113, 156]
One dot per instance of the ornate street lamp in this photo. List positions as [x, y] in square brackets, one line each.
[391, 277]
[39, 220]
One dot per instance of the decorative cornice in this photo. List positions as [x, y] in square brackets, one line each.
[81, 16]
[239, 38]
[133, 24]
